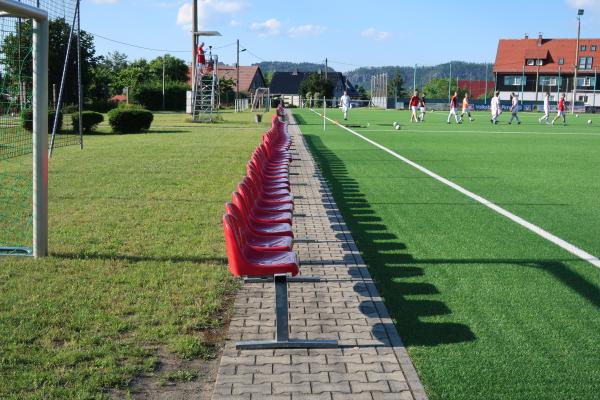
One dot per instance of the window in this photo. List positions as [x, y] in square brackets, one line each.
[586, 81]
[582, 47]
[530, 62]
[585, 62]
[593, 47]
[540, 62]
[514, 80]
[552, 98]
[583, 99]
[548, 80]
[561, 61]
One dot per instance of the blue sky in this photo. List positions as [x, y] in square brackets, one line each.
[349, 33]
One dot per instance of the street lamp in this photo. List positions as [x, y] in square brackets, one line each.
[579, 14]
[237, 68]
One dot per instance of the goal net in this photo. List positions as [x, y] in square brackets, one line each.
[25, 118]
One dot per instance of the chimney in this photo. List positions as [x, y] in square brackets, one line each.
[540, 39]
[526, 36]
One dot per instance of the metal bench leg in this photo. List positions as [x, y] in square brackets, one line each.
[282, 338]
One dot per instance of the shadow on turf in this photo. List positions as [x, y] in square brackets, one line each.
[387, 259]
[390, 264]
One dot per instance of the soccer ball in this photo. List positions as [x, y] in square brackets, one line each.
[397, 127]
[395, 123]
[589, 121]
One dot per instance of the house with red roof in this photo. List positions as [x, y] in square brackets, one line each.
[531, 67]
[251, 77]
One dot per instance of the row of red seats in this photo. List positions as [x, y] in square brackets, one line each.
[258, 220]
[258, 232]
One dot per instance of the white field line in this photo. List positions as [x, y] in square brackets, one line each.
[412, 130]
[515, 218]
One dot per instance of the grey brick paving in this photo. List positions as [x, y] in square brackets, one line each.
[371, 362]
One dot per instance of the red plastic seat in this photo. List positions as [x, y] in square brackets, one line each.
[267, 228]
[245, 261]
[258, 214]
[259, 242]
[250, 197]
[268, 197]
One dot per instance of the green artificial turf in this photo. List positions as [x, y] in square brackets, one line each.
[487, 309]
[137, 263]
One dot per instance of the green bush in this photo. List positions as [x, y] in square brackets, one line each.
[125, 120]
[89, 120]
[150, 96]
[70, 108]
[102, 106]
[27, 120]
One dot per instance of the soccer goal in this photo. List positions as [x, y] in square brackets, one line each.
[24, 99]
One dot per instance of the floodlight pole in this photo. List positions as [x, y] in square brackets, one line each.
[450, 81]
[595, 84]
[486, 84]
[415, 78]
[579, 14]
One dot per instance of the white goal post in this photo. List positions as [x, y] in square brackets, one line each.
[10, 8]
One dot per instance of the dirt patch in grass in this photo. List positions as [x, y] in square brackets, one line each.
[174, 378]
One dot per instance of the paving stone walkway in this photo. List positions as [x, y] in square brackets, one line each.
[371, 361]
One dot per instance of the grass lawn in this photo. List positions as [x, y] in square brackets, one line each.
[487, 309]
[137, 265]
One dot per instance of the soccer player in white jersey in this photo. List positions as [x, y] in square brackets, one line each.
[546, 115]
[514, 109]
[495, 107]
[345, 102]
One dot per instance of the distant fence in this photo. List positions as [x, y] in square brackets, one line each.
[480, 105]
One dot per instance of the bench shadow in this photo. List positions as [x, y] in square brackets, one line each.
[388, 260]
[391, 266]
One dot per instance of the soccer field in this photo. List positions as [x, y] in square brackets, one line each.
[487, 308]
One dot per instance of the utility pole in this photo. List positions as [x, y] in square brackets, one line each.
[326, 63]
[579, 14]
[237, 69]
[163, 82]
[194, 41]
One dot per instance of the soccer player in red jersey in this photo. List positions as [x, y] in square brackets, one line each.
[414, 103]
[561, 110]
[453, 103]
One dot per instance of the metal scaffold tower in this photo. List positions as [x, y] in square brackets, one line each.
[205, 92]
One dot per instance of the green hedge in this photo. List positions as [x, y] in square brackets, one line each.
[130, 120]
[27, 120]
[89, 120]
[150, 96]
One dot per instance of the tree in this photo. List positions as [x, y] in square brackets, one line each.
[17, 57]
[362, 92]
[226, 91]
[396, 86]
[437, 88]
[176, 70]
[316, 83]
[268, 77]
